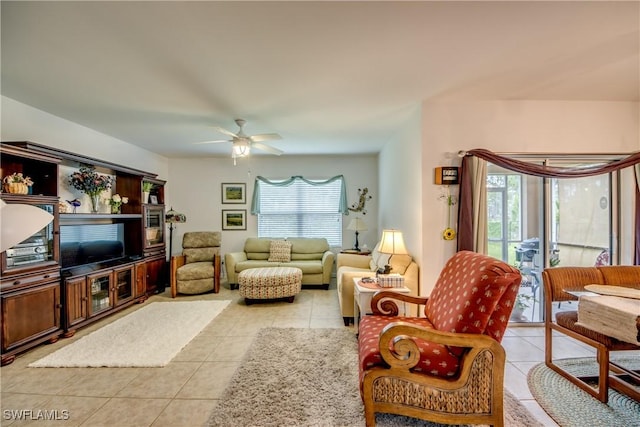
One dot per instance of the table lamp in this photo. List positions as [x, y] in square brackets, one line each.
[357, 225]
[392, 243]
[173, 217]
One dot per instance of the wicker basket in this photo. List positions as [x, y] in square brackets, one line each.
[16, 188]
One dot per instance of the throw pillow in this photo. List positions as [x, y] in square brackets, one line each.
[279, 251]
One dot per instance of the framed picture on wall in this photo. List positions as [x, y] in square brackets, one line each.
[234, 192]
[234, 219]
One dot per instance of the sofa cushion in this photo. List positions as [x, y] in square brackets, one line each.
[200, 254]
[307, 267]
[279, 251]
[435, 359]
[310, 248]
[195, 271]
[201, 239]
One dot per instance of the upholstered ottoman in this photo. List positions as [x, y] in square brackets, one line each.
[269, 283]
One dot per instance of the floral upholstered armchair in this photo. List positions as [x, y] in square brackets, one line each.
[197, 270]
[446, 367]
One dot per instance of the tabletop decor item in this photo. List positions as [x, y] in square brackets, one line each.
[116, 201]
[17, 183]
[91, 183]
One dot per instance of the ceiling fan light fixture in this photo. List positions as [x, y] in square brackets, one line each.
[241, 148]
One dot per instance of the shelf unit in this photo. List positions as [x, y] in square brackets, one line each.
[39, 300]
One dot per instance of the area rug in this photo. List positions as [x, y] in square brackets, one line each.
[148, 337]
[309, 377]
[570, 406]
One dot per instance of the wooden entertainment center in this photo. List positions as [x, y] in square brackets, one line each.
[41, 299]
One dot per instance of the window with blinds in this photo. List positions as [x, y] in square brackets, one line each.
[300, 209]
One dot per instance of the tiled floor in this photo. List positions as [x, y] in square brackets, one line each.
[185, 392]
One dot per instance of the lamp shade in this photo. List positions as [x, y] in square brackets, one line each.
[18, 221]
[357, 224]
[392, 242]
[173, 217]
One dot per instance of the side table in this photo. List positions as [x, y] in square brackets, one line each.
[362, 296]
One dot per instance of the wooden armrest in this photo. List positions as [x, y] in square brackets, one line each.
[176, 262]
[382, 302]
[399, 350]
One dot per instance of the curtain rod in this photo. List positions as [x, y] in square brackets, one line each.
[463, 153]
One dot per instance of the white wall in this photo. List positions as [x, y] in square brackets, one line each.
[21, 122]
[194, 188]
[513, 126]
[401, 182]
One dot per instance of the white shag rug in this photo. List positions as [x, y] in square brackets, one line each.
[148, 337]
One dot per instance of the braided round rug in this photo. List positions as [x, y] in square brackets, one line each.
[570, 406]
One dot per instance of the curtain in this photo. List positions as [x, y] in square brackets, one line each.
[255, 200]
[469, 220]
[545, 171]
[637, 238]
[472, 216]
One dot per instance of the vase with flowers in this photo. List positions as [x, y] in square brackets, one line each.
[116, 201]
[91, 183]
[17, 183]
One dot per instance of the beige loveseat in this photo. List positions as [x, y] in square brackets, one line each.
[349, 266]
[311, 255]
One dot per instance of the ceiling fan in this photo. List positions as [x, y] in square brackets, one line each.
[242, 143]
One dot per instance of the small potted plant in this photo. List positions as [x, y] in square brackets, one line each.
[17, 183]
[146, 190]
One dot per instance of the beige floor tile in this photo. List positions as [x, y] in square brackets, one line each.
[158, 383]
[100, 382]
[185, 413]
[516, 382]
[127, 412]
[229, 349]
[69, 410]
[520, 350]
[209, 381]
[27, 380]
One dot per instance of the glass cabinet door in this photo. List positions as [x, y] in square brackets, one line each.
[153, 226]
[99, 289]
[124, 284]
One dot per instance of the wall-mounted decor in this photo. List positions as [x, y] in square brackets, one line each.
[363, 196]
[234, 193]
[234, 219]
[446, 175]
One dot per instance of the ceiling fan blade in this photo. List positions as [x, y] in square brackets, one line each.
[226, 132]
[212, 142]
[265, 137]
[267, 148]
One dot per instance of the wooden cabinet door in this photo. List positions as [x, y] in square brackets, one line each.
[30, 314]
[76, 301]
[123, 284]
[155, 274]
[100, 292]
[141, 279]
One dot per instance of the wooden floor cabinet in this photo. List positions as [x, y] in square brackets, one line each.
[41, 297]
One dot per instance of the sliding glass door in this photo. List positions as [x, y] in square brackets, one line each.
[535, 223]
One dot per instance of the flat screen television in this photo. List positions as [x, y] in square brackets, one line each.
[88, 243]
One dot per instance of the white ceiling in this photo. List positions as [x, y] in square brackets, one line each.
[330, 77]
